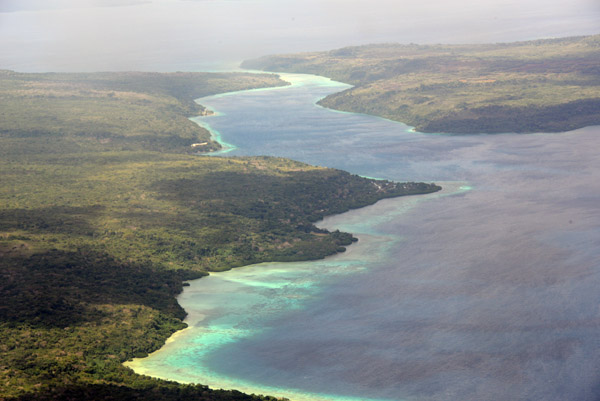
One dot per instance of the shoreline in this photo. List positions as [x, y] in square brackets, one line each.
[194, 319]
[292, 80]
[249, 276]
[215, 136]
[212, 112]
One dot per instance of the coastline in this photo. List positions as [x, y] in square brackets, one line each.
[207, 330]
[470, 79]
[182, 343]
[292, 80]
[215, 136]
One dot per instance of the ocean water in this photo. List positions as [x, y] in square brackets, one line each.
[485, 291]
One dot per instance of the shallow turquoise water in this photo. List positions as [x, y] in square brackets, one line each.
[482, 293]
[233, 305]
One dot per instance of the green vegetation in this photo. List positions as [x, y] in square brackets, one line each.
[113, 111]
[103, 214]
[537, 86]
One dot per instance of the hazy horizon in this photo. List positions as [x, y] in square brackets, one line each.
[170, 35]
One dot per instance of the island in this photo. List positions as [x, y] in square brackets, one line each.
[549, 85]
[106, 207]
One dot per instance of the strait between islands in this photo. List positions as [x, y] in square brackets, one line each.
[106, 208]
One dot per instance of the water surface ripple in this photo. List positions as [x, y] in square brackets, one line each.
[482, 294]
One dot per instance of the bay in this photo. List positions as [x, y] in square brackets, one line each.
[487, 291]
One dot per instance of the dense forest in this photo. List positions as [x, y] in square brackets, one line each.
[105, 211]
[548, 85]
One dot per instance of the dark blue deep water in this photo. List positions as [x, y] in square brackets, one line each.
[491, 292]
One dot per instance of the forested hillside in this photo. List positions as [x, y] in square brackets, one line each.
[537, 86]
[104, 212]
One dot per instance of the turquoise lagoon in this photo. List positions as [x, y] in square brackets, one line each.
[485, 291]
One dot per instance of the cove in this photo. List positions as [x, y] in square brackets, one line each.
[481, 294]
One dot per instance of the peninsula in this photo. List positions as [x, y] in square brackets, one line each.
[106, 208]
[550, 85]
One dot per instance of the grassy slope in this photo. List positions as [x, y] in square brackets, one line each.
[543, 85]
[103, 214]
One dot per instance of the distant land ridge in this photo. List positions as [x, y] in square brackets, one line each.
[549, 85]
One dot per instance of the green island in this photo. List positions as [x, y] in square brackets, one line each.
[105, 209]
[548, 85]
